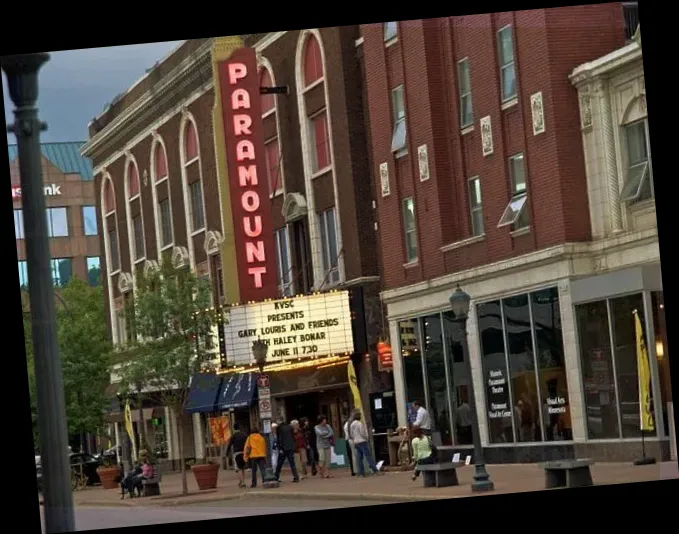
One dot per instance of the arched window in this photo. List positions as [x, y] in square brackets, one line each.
[313, 63]
[109, 200]
[190, 142]
[268, 101]
[133, 180]
[161, 197]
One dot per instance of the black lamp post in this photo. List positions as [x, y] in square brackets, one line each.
[459, 303]
[22, 81]
[260, 349]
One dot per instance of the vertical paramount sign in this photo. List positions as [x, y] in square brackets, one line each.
[250, 209]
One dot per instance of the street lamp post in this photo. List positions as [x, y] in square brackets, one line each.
[22, 81]
[459, 303]
[260, 349]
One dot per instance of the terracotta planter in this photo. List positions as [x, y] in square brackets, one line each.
[206, 475]
[109, 477]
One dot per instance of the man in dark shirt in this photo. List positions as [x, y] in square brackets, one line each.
[236, 447]
[286, 447]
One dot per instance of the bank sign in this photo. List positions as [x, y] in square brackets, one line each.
[248, 185]
[301, 327]
[52, 190]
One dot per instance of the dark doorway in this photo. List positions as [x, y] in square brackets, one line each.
[305, 405]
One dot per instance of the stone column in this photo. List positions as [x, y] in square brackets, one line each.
[477, 380]
[198, 435]
[608, 125]
[399, 391]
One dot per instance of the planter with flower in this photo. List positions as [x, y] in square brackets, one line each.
[109, 474]
[206, 473]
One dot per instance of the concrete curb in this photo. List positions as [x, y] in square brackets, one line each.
[260, 494]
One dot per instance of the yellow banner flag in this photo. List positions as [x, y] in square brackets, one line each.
[644, 372]
[129, 428]
[353, 384]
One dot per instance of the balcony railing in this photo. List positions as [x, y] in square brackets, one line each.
[630, 12]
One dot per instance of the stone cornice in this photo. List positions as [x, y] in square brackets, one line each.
[567, 251]
[194, 70]
[607, 64]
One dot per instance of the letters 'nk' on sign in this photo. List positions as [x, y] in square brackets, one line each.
[52, 190]
[248, 185]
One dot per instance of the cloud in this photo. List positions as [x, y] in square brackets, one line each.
[75, 85]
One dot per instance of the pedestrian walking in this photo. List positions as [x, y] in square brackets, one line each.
[351, 450]
[359, 435]
[255, 453]
[236, 447]
[300, 448]
[423, 452]
[286, 450]
[310, 438]
[422, 418]
[325, 439]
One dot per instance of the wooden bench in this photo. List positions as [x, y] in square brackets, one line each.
[438, 475]
[568, 473]
[152, 485]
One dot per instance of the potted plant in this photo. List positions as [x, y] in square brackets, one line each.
[109, 474]
[206, 473]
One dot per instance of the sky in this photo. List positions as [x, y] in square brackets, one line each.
[76, 85]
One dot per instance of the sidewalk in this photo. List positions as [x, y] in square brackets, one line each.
[394, 486]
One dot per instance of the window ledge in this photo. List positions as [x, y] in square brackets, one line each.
[463, 243]
[402, 153]
[391, 42]
[521, 231]
[194, 233]
[113, 273]
[313, 84]
[139, 260]
[166, 247]
[132, 199]
[323, 171]
[278, 193]
[510, 103]
[269, 112]
[641, 206]
[158, 182]
[192, 160]
[411, 264]
[467, 130]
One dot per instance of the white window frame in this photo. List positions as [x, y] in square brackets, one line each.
[514, 214]
[138, 254]
[473, 208]
[113, 251]
[506, 65]
[19, 228]
[54, 268]
[390, 32]
[285, 289]
[279, 167]
[633, 185]
[334, 278]
[164, 245]
[399, 120]
[315, 169]
[96, 221]
[50, 225]
[466, 76]
[408, 231]
[192, 204]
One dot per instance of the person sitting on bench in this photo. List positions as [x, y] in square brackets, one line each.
[422, 450]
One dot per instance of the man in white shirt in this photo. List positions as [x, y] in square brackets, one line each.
[351, 451]
[422, 419]
[358, 433]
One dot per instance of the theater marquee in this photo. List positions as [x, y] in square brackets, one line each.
[301, 327]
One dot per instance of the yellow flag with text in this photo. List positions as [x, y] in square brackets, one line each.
[353, 384]
[644, 372]
[128, 421]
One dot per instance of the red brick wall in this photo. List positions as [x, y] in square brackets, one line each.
[548, 44]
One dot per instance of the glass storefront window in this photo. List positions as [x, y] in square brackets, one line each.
[556, 417]
[437, 377]
[625, 347]
[498, 401]
[661, 353]
[601, 403]
[412, 362]
[518, 332]
[462, 411]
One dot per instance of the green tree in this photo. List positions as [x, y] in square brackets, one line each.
[167, 321]
[84, 349]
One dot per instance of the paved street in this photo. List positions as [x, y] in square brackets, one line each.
[91, 518]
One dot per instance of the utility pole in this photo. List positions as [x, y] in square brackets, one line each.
[22, 80]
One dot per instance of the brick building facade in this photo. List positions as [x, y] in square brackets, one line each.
[479, 168]
[71, 214]
[157, 175]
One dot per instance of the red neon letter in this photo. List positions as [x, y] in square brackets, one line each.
[247, 174]
[241, 124]
[257, 272]
[250, 201]
[245, 150]
[237, 71]
[247, 226]
[255, 252]
[240, 98]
